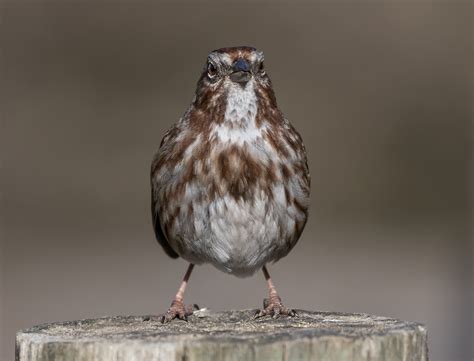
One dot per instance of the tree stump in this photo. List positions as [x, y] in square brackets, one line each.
[231, 335]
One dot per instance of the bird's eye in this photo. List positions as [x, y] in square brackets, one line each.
[211, 70]
[261, 69]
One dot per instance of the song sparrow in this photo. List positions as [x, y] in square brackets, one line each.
[230, 181]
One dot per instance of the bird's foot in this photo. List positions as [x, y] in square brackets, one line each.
[177, 310]
[273, 307]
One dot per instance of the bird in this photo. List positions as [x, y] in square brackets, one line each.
[230, 184]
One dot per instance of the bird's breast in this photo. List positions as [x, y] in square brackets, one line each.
[235, 210]
[232, 195]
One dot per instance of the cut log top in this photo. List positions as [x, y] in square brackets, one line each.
[231, 335]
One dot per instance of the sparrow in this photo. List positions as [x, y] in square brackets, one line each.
[230, 183]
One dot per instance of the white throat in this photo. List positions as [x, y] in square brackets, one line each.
[241, 103]
[239, 124]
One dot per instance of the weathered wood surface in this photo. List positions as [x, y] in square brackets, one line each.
[231, 335]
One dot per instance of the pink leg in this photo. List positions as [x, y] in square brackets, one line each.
[177, 309]
[273, 306]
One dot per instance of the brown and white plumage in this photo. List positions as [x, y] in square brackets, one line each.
[230, 181]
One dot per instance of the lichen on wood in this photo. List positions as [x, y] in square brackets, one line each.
[230, 335]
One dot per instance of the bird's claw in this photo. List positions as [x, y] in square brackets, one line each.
[274, 308]
[177, 310]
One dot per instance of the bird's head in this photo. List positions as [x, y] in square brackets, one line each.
[235, 70]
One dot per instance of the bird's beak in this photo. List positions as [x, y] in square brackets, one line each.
[241, 77]
[241, 72]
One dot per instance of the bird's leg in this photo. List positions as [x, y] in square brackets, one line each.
[272, 306]
[177, 309]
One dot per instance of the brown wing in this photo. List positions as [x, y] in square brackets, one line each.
[300, 169]
[160, 236]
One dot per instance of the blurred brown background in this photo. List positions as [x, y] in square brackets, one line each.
[381, 92]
